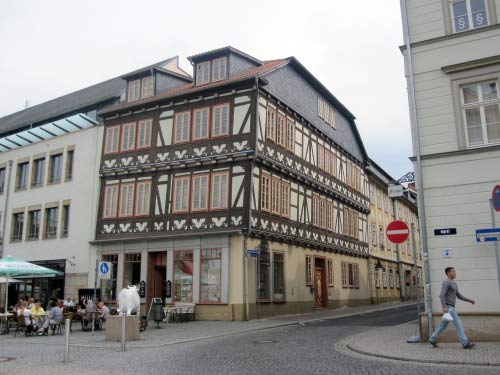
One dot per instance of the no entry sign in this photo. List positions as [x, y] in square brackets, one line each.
[397, 231]
[495, 198]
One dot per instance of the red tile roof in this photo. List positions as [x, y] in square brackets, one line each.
[266, 67]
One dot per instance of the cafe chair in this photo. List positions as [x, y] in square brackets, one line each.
[20, 326]
[56, 327]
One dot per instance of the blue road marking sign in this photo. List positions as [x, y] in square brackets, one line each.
[487, 235]
[104, 270]
[253, 253]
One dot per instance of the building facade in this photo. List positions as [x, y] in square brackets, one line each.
[456, 67]
[391, 266]
[250, 152]
[49, 184]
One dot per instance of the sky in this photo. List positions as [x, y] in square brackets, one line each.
[50, 48]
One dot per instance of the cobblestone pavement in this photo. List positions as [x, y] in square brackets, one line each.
[390, 342]
[295, 349]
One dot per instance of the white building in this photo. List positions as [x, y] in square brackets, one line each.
[50, 153]
[456, 65]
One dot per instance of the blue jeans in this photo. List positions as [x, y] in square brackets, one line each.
[458, 325]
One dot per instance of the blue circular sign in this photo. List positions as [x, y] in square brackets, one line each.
[495, 198]
[104, 268]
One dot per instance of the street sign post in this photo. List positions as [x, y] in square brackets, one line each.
[104, 270]
[395, 191]
[397, 231]
[487, 235]
[253, 253]
[495, 198]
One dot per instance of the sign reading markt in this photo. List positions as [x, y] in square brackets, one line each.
[395, 191]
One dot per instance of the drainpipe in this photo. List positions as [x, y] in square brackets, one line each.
[5, 208]
[421, 201]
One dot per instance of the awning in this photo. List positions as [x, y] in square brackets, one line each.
[46, 131]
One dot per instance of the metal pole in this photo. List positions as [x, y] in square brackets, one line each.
[67, 325]
[397, 252]
[257, 260]
[417, 279]
[123, 340]
[95, 289]
[419, 176]
[245, 279]
[497, 254]
[5, 208]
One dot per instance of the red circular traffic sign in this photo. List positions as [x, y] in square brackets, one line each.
[397, 231]
[495, 198]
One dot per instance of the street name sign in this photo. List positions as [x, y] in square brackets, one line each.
[253, 253]
[395, 191]
[487, 235]
[445, 231]
[104, 271]
[495, 198]
[397, 231]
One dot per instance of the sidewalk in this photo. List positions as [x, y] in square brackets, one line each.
[176, 333]
[390, 343]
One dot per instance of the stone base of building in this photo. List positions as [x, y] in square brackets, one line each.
[478, 326]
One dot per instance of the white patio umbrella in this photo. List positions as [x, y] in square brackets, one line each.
[10, 266]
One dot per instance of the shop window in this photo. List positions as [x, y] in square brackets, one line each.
[132, 269]
[263, 280]
[278, 277]
[183, 275]
[17, 226]
[55, 168]
[308, 270]
[109, 286]
[51, 216]
[210, 278]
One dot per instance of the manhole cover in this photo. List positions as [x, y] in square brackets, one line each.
[266, 342]
[5, 359]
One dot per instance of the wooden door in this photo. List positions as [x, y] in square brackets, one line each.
[319, 289]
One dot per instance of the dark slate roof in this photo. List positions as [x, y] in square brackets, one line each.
[223, 49]
[66, 104]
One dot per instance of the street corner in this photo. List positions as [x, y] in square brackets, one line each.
[390, 344]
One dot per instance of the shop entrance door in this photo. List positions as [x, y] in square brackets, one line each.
[320, 289]
[157, 274]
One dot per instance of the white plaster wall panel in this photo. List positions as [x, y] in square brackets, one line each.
[82, 191]
[425, 18]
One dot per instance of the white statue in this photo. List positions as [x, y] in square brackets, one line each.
[128, 300]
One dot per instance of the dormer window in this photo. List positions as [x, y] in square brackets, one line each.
[134, 90]
[219, 69]
[211, 71]
[140, 88]
[203, 73]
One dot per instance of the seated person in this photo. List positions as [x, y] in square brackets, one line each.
[36, 313]
[103, 311]
[26, 313]
[55, 316]
[31, 303]
[69, 302]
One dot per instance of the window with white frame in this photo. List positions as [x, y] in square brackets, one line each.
[112, 139]
[219, 190]
[309, 270]
[203, 72]
[278, 276]
[391, 278]
[143, 198]
[265, 195]
[200, 123]
[376, 275]
[127, 200]
[181, 129]
[220, 125]
[134, 90]
[199, 201]
[381, 238]
[330, 272]
[219, 69]
[147, 87]
[481, 113]
[128, 137]
[271, 123]
[181, 194]
[469, 14]
[384, 278]
[110, 201]
[374, 234]
[144, 134]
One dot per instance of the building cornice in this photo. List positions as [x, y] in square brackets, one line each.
[480, 63]
[448, 154]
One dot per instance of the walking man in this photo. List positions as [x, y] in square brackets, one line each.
[448, 296]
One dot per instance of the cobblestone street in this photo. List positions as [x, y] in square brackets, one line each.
[297, 349]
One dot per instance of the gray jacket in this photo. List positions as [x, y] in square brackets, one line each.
[450, 293]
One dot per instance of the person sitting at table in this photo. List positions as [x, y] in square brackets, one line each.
[37, 315]
[26, 313]
[103, 311]
[69, 302]
[19, 304]
[55, 316]
[31, 303]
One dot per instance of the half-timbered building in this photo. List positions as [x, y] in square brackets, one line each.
[194, 176]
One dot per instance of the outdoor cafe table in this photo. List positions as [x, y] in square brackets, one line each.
[39, 317]
[4, 324]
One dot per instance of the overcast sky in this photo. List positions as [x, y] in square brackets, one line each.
[50, 48]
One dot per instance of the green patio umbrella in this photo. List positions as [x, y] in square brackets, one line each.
[10, 266]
